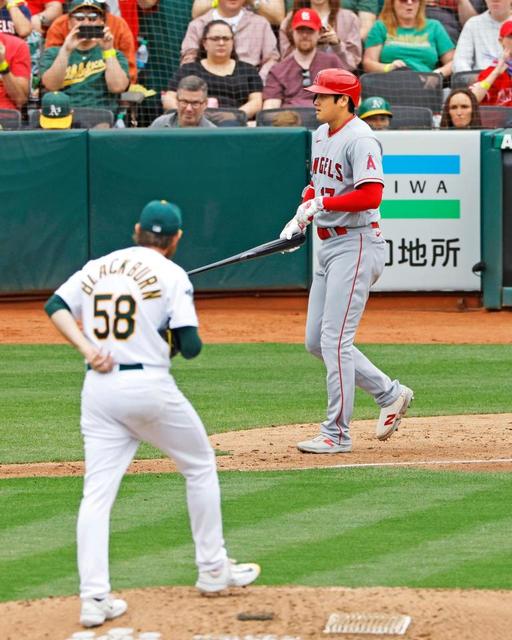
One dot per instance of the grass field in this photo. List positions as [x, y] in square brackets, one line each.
[241, 386]
[353, 527]
[329, 527]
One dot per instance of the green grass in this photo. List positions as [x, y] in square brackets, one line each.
[319, 528]
[241, 386]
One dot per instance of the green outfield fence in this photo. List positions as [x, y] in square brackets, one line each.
[73, 195]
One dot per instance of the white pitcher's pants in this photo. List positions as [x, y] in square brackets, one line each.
[119, 410]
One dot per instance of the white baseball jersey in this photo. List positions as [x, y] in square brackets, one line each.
[341, 162]
[124, 298]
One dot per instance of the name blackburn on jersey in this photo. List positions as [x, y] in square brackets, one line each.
[327, 167]
[137, 271]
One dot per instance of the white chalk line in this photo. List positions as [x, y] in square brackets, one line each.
[405, 464]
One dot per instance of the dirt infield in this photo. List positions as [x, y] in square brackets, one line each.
[458, 443]
[453, 319]
[298, 612]
[476, 443]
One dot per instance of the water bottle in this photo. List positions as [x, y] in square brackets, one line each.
[119, 123]
[142, 54]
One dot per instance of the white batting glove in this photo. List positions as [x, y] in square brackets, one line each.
[307, 211]
[290, 229]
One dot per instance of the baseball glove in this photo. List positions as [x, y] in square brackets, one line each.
[172, 339]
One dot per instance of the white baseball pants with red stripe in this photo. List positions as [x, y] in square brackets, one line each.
[348, 265]
[119, 410]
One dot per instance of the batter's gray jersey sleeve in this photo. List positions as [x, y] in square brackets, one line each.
[365, 156]
[182, 312]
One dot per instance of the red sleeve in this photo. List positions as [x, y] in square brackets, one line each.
[308, 193]
[20, 60]
[367, 196]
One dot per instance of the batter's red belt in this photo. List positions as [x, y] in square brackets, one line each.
[332, 232]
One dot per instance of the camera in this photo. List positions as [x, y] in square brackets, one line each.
[89, 31]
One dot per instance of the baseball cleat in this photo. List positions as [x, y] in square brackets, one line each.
[323, 444]
[231, 574]
[96, 612]
[391, 416]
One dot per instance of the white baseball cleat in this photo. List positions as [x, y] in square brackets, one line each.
[231, 574]
[323, 444]
[95, 612]
[391, 416]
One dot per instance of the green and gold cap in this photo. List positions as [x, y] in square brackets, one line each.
[374, 106]
[55, 111]
[161, 217]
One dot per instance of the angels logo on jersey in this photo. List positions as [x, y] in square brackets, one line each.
[327, 167]
[370, 164]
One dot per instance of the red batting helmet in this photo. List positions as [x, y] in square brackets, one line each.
[337, 82]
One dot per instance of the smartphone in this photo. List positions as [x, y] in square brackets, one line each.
[89, 31]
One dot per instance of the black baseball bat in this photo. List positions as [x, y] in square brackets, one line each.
[267, 249]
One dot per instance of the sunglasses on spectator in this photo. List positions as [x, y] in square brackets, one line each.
[195, 104]
[86, 16]
[219, 38]
[306, 78]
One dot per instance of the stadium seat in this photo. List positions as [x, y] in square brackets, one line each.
[83, 118]
[307, 115]
[496, 117]
[464, 79]
[10, 119]
[405, 87]
[224, 117]
[411, 118]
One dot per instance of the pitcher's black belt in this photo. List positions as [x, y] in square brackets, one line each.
[124, 367]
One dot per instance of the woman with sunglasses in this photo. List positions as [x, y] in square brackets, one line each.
[340, 31]
[404, 38]
[231, 82]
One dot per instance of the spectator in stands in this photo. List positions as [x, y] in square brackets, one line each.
[287, 80]
[231, 82]
[255, 42]
[404, 38]
[14, 71]
[56, 112]
[494, 84]
[15, 18]
[287, 119]
[339, 32]
[129, 11]
[478, 45]
[376, 112]
[191, 100]
[44, 13]
[272, 10]
[453, 14]
[90, 71]
[123, 37]
[366, 10]
[461, 111]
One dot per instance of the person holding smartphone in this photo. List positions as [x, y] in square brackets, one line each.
[86, 67]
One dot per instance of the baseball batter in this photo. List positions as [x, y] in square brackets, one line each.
[343, 200]
[124, 300]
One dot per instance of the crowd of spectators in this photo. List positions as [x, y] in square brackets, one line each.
[253, 55]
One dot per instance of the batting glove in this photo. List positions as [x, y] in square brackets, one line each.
[290, 229]
[307, 211]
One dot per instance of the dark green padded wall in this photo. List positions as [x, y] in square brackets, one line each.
[43, 208]
[237, 188]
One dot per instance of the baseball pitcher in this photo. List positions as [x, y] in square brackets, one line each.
[125, 301]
